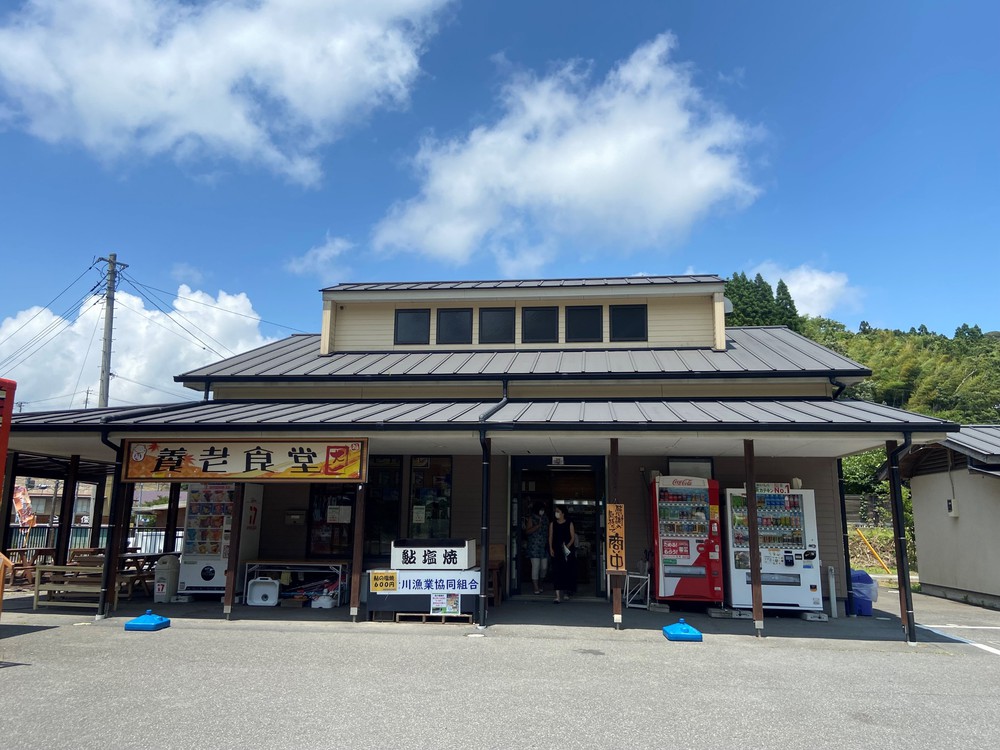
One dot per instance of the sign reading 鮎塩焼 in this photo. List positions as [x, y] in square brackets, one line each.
[269, 460]
[615, 528]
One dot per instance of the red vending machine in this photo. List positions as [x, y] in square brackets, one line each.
[687, 539]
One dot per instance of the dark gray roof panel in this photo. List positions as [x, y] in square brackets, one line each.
[761, 352]
[406, 286]
[737, 414]
[981, 442]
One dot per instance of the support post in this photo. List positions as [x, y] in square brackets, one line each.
[484, 537]
[358, 556]
[756, 592]
[849, 603]
[97, 512]
[893, 453]
[615, 578]
[173, 510]
[112, 549]
[233, 563]
[66, 511]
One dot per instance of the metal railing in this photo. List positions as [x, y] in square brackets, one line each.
[148, 539]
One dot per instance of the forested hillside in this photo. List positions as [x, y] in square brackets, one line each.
[956, 378]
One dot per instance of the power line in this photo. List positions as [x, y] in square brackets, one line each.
[170, 316]
[216, 307]
[49, 303]
[172, 332]
[175, 394]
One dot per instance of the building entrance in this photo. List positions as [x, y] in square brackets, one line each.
[577, 484]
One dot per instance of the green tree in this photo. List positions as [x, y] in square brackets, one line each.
[786, 312]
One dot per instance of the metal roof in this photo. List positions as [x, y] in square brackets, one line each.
[430, 286]
[981, 442]
[766, 351]
[823, 415]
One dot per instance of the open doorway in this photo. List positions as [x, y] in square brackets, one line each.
[577, 483]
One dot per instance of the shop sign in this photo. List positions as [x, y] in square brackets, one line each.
[424, 582]
[773, 488]
[311, 460]
[382, 581]
[461, 557]
[615, 529]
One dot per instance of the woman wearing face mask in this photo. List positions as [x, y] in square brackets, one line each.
[562, 547]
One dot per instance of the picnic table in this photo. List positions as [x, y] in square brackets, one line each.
[24, 561]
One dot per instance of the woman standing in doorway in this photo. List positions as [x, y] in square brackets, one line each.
[562, 547]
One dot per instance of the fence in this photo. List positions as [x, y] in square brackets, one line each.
[149, 540]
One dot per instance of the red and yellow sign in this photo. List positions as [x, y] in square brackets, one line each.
[615, 528]
[205, 459]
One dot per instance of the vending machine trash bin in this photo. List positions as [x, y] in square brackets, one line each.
[864, 585]
[263, 592]
[166, 572]
[862, 605]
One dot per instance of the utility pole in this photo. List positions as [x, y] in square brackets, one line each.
[109, 320]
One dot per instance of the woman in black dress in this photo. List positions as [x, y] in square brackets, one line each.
[562, 547]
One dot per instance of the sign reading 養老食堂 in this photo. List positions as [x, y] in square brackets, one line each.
[205, 459]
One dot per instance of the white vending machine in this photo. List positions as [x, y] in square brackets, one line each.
[789, 550]
[207, 533]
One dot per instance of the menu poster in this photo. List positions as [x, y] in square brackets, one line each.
[445, 604]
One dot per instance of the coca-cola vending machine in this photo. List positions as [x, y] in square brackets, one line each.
[687, 540]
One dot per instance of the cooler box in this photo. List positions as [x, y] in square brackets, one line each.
[263, 592]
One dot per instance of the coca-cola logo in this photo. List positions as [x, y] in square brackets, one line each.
[682, 483]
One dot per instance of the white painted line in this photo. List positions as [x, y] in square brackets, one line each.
[966, 627]
[990, 649]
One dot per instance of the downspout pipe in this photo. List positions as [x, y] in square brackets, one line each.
[110, 553]
[899, 530]
[838, 388]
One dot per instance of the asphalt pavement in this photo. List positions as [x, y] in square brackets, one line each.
[539, 676]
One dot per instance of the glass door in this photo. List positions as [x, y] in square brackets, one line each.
[331, 521]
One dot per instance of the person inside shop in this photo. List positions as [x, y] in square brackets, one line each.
[535, 530]
[562, 547]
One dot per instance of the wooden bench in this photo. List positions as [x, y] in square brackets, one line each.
[70, 586]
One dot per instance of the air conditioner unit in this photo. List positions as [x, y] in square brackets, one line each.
[951, 504]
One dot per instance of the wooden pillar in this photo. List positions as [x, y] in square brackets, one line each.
[7, 501]
[899, 532]
[121, 508]
[756, 592]
[97, 513]
[173, 510]
[615, 578]
[358, 556]
[66, 508]
[233, 563]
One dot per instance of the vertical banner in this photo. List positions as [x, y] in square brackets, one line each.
[616, 538]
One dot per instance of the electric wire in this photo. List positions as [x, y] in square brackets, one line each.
[175, 394]
[170, 315]
[50, 302]
[43, 339]
[187, 339]
[216, 307]
[83, 364]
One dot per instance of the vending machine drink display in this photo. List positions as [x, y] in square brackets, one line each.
[687, 543]
[790, 565]
[207, 532]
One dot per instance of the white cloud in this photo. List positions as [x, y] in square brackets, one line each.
[259, 81]
[150, 347]
[323, 261]
[632, 160]
[815, 292]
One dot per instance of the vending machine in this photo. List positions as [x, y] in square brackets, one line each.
[789, 552]
[207, 533]
[687, 539]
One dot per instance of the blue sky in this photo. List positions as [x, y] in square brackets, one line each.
[243, 155]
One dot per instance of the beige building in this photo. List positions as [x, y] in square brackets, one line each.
[955, 488]
[477, 398]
